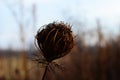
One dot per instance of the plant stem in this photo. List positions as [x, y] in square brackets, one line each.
[44, 73]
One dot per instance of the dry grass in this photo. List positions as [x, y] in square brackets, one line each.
[83, 63]
[12, 69]
[100, 64]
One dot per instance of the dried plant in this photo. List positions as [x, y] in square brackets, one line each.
[55, 40]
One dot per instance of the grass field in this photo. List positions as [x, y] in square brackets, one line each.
[99, 63]
[13, 68]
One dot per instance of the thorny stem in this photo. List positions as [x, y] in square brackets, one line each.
[44, 74]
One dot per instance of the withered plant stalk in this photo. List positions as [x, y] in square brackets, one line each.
[55, 40]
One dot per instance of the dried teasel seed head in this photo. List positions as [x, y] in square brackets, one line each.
[55, 40]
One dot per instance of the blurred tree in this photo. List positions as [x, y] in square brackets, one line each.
[18, 12]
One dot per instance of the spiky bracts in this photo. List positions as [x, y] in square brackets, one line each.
[55, 40]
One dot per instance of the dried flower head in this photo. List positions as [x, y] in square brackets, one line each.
[55, 40]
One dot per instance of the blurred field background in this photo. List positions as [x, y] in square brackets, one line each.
[96, 25]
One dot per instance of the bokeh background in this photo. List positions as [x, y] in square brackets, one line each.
[96, 26]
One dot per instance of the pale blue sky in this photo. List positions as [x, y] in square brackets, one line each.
[86, 11]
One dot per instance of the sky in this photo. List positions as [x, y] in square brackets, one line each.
[84, 11]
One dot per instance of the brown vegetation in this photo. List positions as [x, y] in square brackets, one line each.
[98, 62]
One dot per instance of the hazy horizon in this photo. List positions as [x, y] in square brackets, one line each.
[85, 12]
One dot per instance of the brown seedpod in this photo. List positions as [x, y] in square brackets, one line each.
[55, 40]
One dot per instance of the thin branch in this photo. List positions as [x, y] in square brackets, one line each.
[46, 68]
